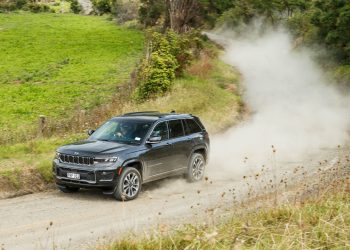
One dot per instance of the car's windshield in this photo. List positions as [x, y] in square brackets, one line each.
[122, 131]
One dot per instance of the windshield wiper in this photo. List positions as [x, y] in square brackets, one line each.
[128, 142]
[105, 140]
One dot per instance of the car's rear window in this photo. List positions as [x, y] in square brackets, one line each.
[176, 128]
[192, 127]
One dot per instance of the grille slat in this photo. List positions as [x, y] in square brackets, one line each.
[81, 160]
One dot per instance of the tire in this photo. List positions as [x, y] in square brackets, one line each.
[196, 168]
[67, 189]
[129, 185]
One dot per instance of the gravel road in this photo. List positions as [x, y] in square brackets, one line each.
[57, 220]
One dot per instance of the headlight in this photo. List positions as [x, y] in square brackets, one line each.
[112, 159]
[107, 160]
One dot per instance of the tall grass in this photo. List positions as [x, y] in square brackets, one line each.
[318, 220]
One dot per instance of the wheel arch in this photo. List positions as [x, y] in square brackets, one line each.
[135, 163]
[201, 150]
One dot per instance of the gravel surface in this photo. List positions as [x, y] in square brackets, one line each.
[57, 220]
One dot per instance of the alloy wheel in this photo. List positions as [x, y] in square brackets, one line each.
[131, 185]
[198, 169]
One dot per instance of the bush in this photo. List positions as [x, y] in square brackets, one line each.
[36, 7]
[150, 11]
[156, 72]
[11, 5]
[75, 6]
[5, 6]
[168, 55]
[102, 6]
[342, 74]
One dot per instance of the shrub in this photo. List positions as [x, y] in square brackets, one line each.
[20, 3]
[6, 6]
[150, 11]
[11, 5]
[36, 7]
[157, 71]
[168, 55]
[102, 6]
[75, 6]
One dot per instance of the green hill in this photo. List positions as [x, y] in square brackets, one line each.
[52, 64]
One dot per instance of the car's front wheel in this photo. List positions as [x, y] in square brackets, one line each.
[196, 168]
[129, 185]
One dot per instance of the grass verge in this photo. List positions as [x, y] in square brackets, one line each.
[315, 222]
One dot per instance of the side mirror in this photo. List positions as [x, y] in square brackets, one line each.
[153, 140]
[90, 131]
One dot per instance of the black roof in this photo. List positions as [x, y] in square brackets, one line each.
[153, 115]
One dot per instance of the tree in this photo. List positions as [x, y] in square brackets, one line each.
[181, 13]
[150, 11]
[332, 18]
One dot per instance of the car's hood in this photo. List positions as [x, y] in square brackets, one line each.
[94, 147]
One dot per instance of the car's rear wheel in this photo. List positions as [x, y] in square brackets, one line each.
[68, 189]
[196, 168]
[129, 185]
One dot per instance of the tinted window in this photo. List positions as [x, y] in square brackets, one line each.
[122, 131]
[199, 122]
[160, 130]
[192, 127]
[175, 128]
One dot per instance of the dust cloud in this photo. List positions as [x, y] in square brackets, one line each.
[295, 108]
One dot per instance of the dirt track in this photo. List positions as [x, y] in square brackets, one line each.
[53, 219]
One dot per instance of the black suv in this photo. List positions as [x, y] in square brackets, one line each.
[133, 149]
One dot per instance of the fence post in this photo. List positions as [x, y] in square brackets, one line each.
[42, 125]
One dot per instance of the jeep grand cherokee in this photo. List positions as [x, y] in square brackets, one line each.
[133, 149]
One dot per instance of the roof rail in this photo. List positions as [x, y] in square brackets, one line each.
[138, 113]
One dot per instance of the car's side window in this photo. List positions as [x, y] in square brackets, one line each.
[176, 128]
[192, 127]
[161, 130]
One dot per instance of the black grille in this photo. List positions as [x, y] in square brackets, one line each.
[82, 160]
[85, 175]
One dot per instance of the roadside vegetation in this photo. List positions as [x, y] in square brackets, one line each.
[313, 216]
[319, 24]
[53, 6]
[316, 224]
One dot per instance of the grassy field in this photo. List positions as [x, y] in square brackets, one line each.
[54, 64]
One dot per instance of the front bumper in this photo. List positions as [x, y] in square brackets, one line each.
[90, 176]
